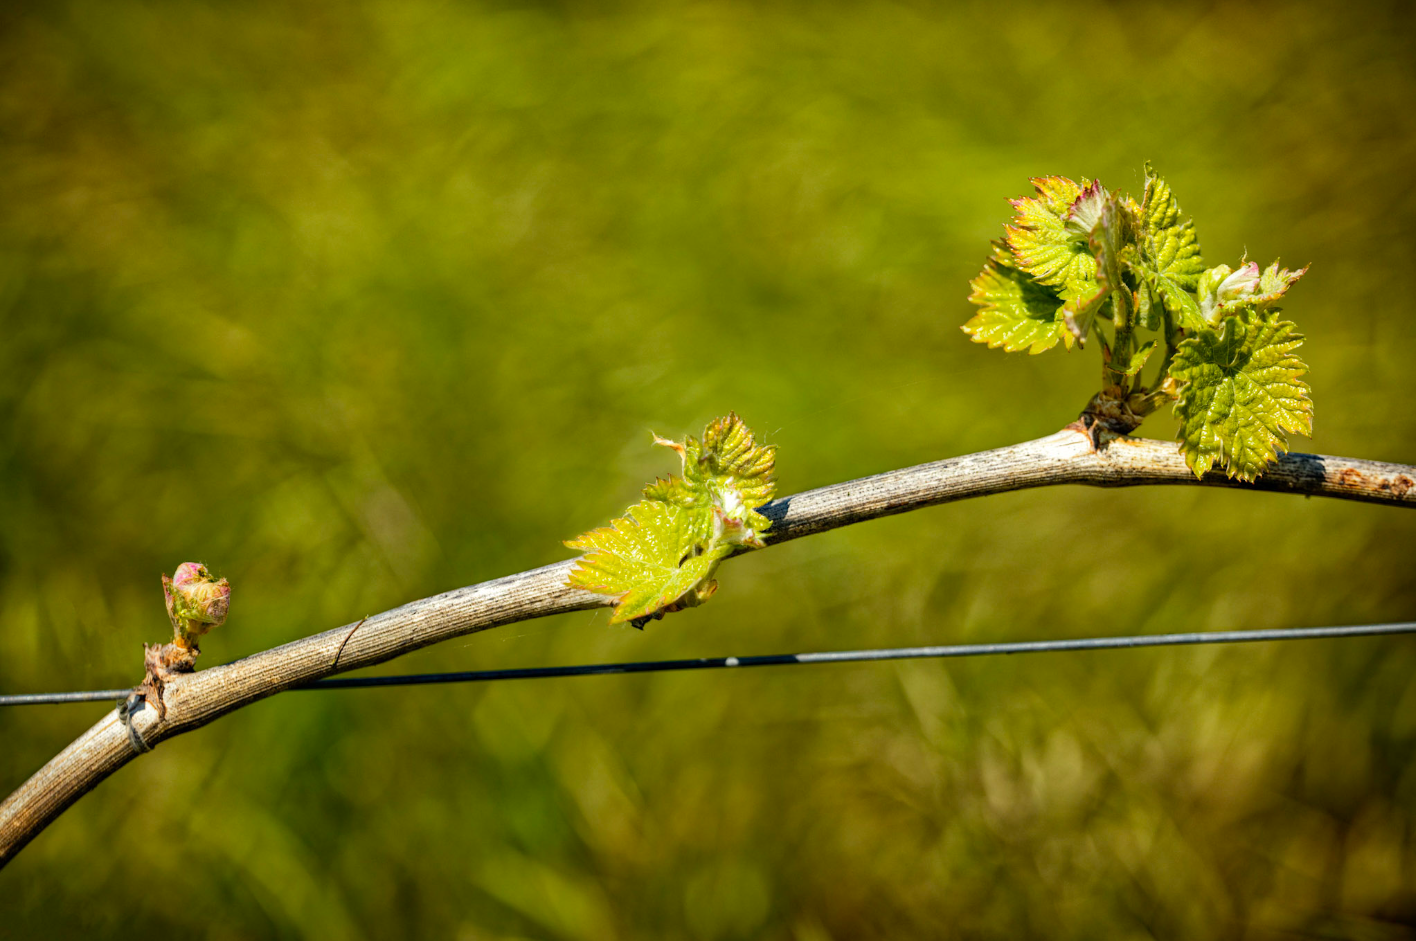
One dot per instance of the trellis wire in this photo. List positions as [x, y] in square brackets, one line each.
[789, 659]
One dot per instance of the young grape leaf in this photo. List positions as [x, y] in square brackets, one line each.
[1018, 313]
[1170, 243]
[1275, 282]
[1170, 251]
[652, 560]
[728, 472]
[1180, 302]
[1083, 215]
[1041, 241]
[661, 557]
[728, 456]
[1240, 392]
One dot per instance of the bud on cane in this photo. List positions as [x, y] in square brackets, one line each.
[196, 602]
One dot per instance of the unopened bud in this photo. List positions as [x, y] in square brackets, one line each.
[1219, 288]
[196, 601]
[1239, 284]
[734, 531]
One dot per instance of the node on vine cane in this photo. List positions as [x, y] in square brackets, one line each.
[1079, 262]
[662, 555]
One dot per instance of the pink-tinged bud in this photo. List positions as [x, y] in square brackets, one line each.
[1239, 284]
[197, 601]
[1219, 289]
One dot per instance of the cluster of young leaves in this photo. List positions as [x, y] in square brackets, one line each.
[1080, 262]
[661, 556]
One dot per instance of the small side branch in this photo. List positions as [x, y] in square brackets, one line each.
[1067, 457]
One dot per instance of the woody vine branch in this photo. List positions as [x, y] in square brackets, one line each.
[1067, 457]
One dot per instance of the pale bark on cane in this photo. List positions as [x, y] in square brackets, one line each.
[1067, 457]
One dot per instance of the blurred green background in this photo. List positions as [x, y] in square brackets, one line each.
[358, 303]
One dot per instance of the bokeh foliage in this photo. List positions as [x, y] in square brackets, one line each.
[356, 303]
